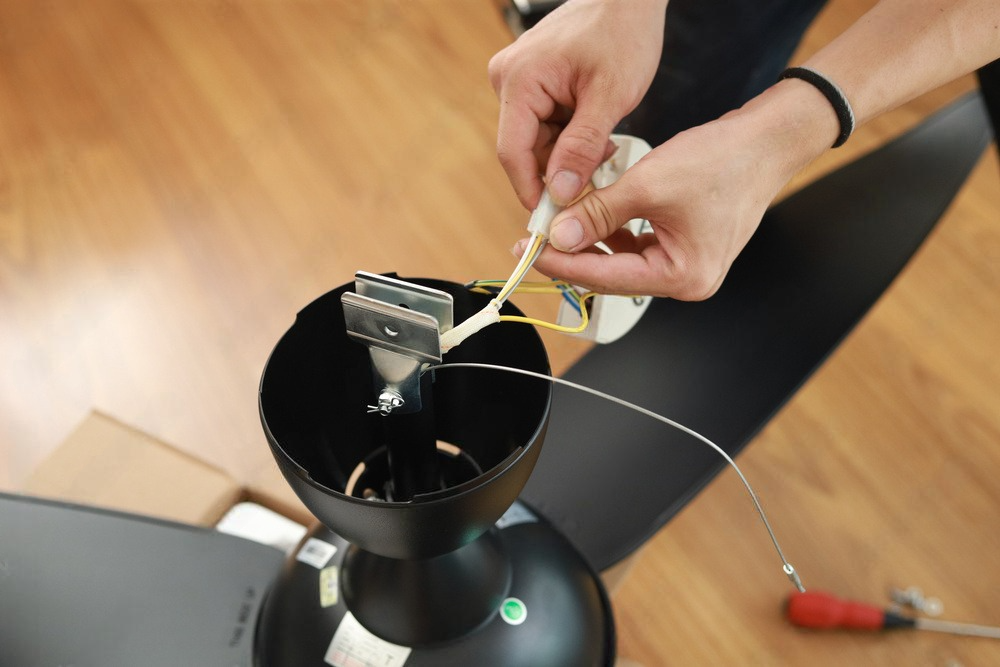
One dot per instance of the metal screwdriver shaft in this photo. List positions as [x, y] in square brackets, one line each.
[954, 628]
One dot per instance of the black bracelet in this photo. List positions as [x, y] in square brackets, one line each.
[832, 92]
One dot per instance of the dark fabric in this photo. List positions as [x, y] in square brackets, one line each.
[989, 84]
[716, 56]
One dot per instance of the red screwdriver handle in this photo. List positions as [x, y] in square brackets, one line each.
[816, 609]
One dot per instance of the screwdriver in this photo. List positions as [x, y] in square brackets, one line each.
[823, 611]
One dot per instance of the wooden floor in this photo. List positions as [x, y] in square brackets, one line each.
[178, 178]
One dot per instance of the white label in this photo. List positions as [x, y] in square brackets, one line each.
[254, 522]
[316, 553]
[328, 591]
[353, 646]
[515, 514]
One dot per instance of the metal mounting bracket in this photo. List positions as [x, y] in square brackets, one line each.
[401, 324]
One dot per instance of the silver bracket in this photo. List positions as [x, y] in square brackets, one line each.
[401, 323]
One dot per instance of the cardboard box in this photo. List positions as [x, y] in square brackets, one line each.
[108, 464]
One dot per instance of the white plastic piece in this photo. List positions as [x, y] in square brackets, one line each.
[259, 524]
[611, 316]
[541, 218]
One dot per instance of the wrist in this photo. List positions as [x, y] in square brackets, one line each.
[834, 95]
[796, 121]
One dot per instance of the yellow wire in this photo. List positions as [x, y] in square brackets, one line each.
[584, 319]
[524, 288]
[541, 287]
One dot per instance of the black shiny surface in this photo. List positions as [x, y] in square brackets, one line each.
[568, 621]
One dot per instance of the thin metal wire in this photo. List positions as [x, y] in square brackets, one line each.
[786, 567]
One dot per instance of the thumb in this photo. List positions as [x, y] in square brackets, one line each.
[581, 147]
[591, 219]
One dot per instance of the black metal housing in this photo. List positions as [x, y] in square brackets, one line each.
[313, 398]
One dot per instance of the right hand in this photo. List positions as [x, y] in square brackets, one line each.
[704, 192]
[565, 84]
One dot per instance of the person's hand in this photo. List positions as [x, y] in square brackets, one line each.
[704, 192]
[565, 84]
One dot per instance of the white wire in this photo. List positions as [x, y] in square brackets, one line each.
[522, 268]
[786, 567]
[490, 314]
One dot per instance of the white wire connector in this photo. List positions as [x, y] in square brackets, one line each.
[543, 215]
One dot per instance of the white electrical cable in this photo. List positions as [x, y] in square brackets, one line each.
[538, 225]
[485, 317]
[786, 567]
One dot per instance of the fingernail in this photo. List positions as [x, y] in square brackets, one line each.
[565, 186]
[566, 234]
[519, 247]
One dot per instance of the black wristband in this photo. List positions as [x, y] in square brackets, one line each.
[832, 93]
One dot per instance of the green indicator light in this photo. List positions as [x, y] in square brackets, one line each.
[513, 611]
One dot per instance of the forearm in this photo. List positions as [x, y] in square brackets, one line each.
[898, 50]
[903, 48]
[705, 190]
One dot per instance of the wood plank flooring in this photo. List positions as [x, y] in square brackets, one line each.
[178, 178]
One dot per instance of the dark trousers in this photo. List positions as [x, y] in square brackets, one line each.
[716, 56]
[719, 54]
[989, 84]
